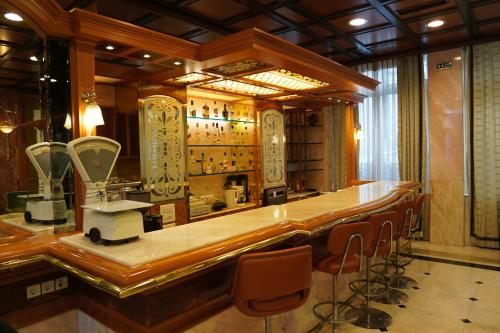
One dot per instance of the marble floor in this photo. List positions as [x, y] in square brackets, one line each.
[449, 298]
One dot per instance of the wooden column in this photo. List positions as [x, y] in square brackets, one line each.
[82, 65]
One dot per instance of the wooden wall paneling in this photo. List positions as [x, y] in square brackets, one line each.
[105, 95]
[352, 163]
[82, 68]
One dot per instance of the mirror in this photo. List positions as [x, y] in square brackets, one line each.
[36, 184]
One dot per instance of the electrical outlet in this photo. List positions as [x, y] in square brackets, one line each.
[48, 287]
[33, 291]
[61, 283]
[168, 213]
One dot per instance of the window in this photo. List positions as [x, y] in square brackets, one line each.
[378, 117]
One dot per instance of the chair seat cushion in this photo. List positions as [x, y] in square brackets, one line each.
[331, 264]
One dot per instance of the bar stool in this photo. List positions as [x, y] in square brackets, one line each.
[380, 246]
[269, 283]
[394, 296]
[346, 244]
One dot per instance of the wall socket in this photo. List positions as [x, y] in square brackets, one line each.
[168, 213]
[46, 287]
[33, 291]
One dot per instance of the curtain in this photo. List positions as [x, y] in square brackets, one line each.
[378, 117]
[486, 144]
[411, 151]
[335, 116]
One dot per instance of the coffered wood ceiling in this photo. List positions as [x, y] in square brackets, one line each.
[393, 26]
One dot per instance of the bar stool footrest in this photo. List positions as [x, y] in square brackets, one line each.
[328, 318]
[359, 288]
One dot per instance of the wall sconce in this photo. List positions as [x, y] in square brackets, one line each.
[358, 132]
[93, 114]
[7, 128]
[67, 122]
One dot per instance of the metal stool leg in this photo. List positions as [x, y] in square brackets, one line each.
[268, 324]
[391, 295]
[369, 317]
[400, 281]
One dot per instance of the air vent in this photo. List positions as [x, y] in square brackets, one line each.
[419, 7]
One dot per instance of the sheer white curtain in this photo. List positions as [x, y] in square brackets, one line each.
[378, 117]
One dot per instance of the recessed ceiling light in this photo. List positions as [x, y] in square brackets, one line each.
[33, 58]
[457, 58]
[177, 63]
[42, 79]
[13, 17]
[329, 98]
[147, 56]
[358, 21]
[435, 23]
[53, 80]
[110, 47]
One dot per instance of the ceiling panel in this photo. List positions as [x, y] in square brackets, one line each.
[440, 39]
[379, 35]
[12, 74]
[206, 37]
[490, 29]
[324, 7]
[23, 66]
[451, 20]
[13, 36]
[393, 47]
[320, 30]
[120, 10]
[171, 26]
[290, 14]
[260, 21]
[217, 9]
[487, 12]
[294, 37]
[411, 8]
[374, 18]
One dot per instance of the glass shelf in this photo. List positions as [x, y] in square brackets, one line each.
[235, 145]
[222, 119]
[221, 173]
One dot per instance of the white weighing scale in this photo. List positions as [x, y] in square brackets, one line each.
[51, 162]
[94, 158]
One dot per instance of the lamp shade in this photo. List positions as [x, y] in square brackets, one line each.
[93, 116]
[67, 122]
[6, 127]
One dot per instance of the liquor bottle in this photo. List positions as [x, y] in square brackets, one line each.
[222, 135]
[241, 162]
[210, 166]
[198, 134]
[233, 162]
[225, 162]
[202, 161]
[217, 133]
[246, 137]
[216, 110]
[213, 135]
[206, 111]
[193, 109]
[207, 135]
[233, 135]
[250, 161]
[231, 111]
[225, 113]
[192, 163]
[221, 167]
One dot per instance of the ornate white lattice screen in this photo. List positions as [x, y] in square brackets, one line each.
[273, 148]
[162, 135]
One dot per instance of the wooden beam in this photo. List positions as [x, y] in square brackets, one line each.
[468, 17]
[391, 17]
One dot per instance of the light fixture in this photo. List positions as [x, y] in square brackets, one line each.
[147, 56]
[53, 80]
[240, 88]
[457, 58]
[287, 97]
[358, 132]
[177, 63]
[285, 79]
[110, 47]
[42, 79]
[33, 58]
[329, 98]
[359, 21]
[92, 116]
[190, 78]
[67, 122]
[13, 17]
[435, 23]
[7, 127]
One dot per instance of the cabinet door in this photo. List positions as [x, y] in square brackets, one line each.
[273, 148]
[163, 147]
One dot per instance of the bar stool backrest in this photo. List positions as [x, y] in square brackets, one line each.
[348, 240]
[418, 209]
[403, 221]
[381, 226]
[268, 283]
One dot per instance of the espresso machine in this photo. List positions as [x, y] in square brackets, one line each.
[240, 184]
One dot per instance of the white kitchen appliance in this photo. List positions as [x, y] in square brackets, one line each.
[94, 158]
[51, 162]
[231, 198]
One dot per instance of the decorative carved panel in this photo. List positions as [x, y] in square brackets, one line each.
[163, 162]
[273, 148]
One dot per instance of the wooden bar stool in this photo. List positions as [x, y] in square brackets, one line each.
[394, 296]
[380, 246]
[346, 244]
[269, 283]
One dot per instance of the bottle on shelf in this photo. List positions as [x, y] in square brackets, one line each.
[225, 162]
[217, 133]
[231, 111]
[225, 113]
[241, 162]
[246, 137]
[197, 134]
[232, 135]
[202, 161]
[189, 135]
[222, 135]
[233, 162]
[193, 109]
[216, 110]
[210, 166]
[213, 136]
[206, 111]
[207, 135]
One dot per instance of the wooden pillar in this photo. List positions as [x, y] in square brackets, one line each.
[82, 65]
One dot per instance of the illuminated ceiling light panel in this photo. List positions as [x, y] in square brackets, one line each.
[238, 67]
[190, 78]
[286, 79]
[287, 97]
[240, 88]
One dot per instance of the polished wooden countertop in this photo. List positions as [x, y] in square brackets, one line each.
[172, 253]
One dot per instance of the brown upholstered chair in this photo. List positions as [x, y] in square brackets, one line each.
[269, 283]
[346, 244]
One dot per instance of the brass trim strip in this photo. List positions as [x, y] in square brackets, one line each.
[157, 281]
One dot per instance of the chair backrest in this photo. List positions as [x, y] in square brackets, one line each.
[348, 240]
[269, 283]
[381, 230]
[418, 209]
[404, 211]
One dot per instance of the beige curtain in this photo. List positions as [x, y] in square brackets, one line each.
[486, 144]
[335, 117]
[411, 137]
